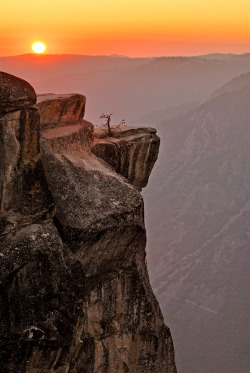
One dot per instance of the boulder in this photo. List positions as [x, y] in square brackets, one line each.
[15, 93]
[73, 139]
[60, 108]
[97, 207]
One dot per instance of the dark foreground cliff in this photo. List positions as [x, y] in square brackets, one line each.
[75, 292]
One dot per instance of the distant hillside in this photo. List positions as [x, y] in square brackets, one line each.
[235, 84]
[128, 87]
[217, 56]
[198, 231]
[158, 116]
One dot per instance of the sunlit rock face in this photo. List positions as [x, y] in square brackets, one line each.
[73, 138]
[75, 292]
[132, 151]
[61, 108]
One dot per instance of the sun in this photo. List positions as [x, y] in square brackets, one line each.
[38, 47]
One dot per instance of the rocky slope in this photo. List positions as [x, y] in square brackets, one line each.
[75, 293]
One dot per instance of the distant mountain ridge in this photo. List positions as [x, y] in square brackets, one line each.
[235, 84]
[198, 231]
[128, 87]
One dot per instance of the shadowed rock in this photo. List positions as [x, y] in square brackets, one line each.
[41, 284]
[15, 93]
[24, 196]
[98, 207]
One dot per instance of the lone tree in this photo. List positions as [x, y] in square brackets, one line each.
[107, 124]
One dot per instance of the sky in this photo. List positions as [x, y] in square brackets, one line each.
[135, 28]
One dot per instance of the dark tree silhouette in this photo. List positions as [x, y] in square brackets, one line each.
[107, 124]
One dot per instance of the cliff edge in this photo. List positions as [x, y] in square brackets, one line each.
[75, 292]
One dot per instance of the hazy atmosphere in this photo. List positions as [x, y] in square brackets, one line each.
[182, 68]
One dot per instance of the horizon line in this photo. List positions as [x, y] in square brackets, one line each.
[114, 55]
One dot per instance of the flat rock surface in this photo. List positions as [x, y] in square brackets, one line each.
[68, 138]
[123, 131]
[15, 93]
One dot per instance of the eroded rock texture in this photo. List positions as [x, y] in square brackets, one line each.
[24, 196]
[75, 293]
[132, 151]
[15, 93]
[61, 108]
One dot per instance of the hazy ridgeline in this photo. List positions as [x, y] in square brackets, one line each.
[198, 198]
[129, 88]
[198, 231]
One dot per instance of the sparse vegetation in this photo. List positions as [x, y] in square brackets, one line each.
[107, 124]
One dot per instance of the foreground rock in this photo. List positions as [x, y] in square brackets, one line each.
[132, 151]
[24, 195]
[98, 207]
[73, 138]
[15, 93]
[61, 108]
[41, 284]
[75, 293]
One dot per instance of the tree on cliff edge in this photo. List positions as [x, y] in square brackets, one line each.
[107, 124]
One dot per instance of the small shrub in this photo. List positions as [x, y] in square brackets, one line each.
[107, 124]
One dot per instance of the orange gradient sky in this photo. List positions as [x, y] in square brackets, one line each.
[129, 27]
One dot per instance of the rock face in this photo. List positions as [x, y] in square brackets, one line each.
[132, 151]
[75, 292]
[24, 196]
[61, 108]
[15, 93]
[73, 138]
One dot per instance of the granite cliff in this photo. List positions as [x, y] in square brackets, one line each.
[75, 292]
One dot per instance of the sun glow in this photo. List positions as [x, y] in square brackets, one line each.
[134, 28]
[38, 47]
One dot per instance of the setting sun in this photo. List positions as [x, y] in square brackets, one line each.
[38, 47]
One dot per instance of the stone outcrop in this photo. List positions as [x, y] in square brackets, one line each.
[72, 138]
[61, 108]
[24, 196]
[75, 292]
[15, 93]
[132, 151]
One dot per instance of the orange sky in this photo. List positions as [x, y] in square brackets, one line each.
[129, 27]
